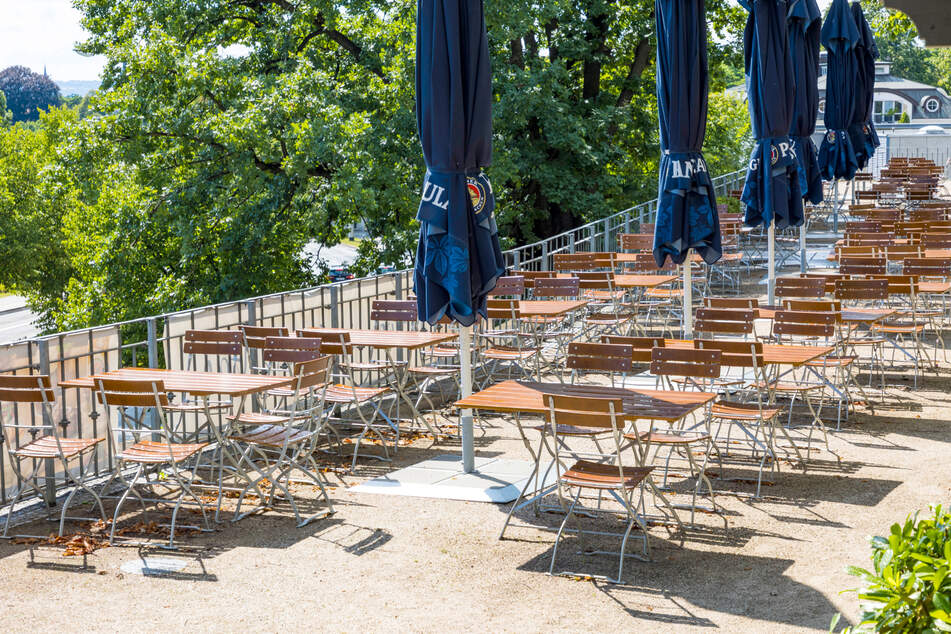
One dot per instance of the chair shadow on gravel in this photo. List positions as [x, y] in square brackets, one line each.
[678, 580]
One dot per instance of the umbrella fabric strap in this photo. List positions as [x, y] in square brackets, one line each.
[863, 141]
[772, 188]
[686, 210]
[836, 156]
[810, 179]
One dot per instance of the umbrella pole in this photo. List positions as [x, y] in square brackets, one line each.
[688, 298]
[803, 265]
[835, 206]
[465, 359]
[771, 274]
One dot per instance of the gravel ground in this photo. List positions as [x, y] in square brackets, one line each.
[384, 563]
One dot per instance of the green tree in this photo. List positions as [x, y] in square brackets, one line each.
[27, 92]
[729, 139]
[230, 134]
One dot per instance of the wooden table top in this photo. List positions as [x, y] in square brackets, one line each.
[549, 307]
[382, 339]
[190, 382]
[643, 281]
[528, 397]
[773, 353]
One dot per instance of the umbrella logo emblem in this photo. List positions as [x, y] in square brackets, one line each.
[831, 136]
[476, 194]
[773, 155]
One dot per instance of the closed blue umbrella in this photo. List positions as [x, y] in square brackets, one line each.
[771, 193]
[862, 131]
[805, 21]
[839, 35]
[686, 208]
[459, 259]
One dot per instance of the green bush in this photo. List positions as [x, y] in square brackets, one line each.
[732, 204]
[909, 589]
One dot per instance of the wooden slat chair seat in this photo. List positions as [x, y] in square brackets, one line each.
[47, 447]
[152, 452]
[602, 471]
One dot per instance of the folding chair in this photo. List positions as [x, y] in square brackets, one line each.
[607, 312]
[911, 322]
[344, 392]
[512, 286]
[254, 337]
[691, 368]
[283, 441]
[641, 347]
[508, 343]
[863, 293]
[735, 322]
[800, 288]
[863, 266]
[44, 447]
[601, 358]
[206, 351]
[604, 473]
[160, 456]
[756, 420]
[558, 330]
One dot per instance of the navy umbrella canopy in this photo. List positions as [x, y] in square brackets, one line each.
[862, 131]
[459, 258]
[772, 192]
[686, 209]
[839, 35]
[805, 21]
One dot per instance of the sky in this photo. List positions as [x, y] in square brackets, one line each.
[37, 33]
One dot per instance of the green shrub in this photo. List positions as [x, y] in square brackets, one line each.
[909, 589]
[732, 204]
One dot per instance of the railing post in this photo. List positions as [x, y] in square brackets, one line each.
[606, 243]
[627, 222]
[544, 263]
[334, 306]
[43, 352]
[152, 346]
[515, 259]
[571, 242]
[398, 281]
[591, 235]
[252, 320]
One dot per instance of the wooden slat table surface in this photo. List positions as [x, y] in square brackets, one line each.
[643, 281]
[190, 382]
[382, 339]
[773, 353]
[549, 307]
[528, 397]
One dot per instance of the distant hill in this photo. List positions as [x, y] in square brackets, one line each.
[77, 87]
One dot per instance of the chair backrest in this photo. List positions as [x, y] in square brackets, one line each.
[599, 357]
[859, 239]
[503, 309]
[901, 252]
[509, 286]
[801, 287]
[733, 321]
[596, 280]
[735, 354]
[395, 311]
[868, 251]
[575, 262]
[557, 287]
[646, 227]
[813, 305]
[312, 373]
[861, 290]
[686, 362]
[35, 388]
[254, 336]
[291, 349]
[645, 263]
[141, 393]
[641, 347]
[637, 241]
[213, 342]
[331, 341]
[530, 277]
[900, 284]
[863, 265]
[936, 240]
[792, 323]
[863, 226]
[927, 267]
[750, 303]
[583, 411]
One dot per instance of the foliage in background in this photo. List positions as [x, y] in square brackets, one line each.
[228, 135]
[909, 586]
[28, 93]
[897, 39]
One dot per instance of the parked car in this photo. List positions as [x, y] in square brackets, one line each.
[385, 269]
[340, 273]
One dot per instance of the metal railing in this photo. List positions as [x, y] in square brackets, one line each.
[157, 341]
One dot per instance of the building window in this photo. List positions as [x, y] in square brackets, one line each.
[887, 111]
[932, 105]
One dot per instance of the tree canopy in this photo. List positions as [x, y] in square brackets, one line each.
[27, 92]
[230, 133]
